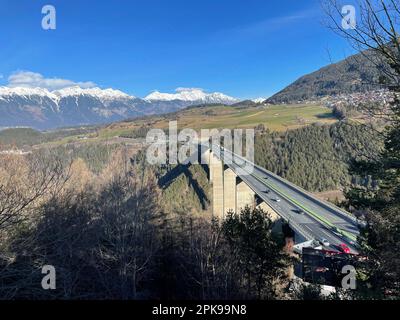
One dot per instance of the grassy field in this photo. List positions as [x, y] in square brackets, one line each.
[275, 118]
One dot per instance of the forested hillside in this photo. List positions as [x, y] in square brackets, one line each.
[316, 157]
[116, 228]
[357, 73]
[20, 137]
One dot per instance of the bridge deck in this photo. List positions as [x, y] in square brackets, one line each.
[319, 219]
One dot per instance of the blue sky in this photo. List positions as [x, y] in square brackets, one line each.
[244, 48]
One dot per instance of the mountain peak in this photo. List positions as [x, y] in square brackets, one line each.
[23, 91]
[102, 94]
[97, 92]
[191, 95]
[259, 100]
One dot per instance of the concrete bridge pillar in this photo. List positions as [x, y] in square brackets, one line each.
[216, 172]
[210, 157]
[244, 196]
[229, 190]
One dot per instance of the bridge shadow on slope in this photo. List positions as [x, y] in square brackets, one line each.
[179, 169]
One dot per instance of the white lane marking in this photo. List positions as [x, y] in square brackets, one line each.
[306, 226]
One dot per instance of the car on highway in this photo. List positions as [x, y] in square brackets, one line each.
[324, 242]
[344, 248]
[278, 200]
[299, 211]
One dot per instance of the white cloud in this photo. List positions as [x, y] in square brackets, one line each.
[30, 79]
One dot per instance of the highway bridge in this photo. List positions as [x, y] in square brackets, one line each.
[235, 186]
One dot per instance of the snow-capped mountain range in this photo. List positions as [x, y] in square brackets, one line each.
[43, 109]
[259, 100]
[191, 95]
